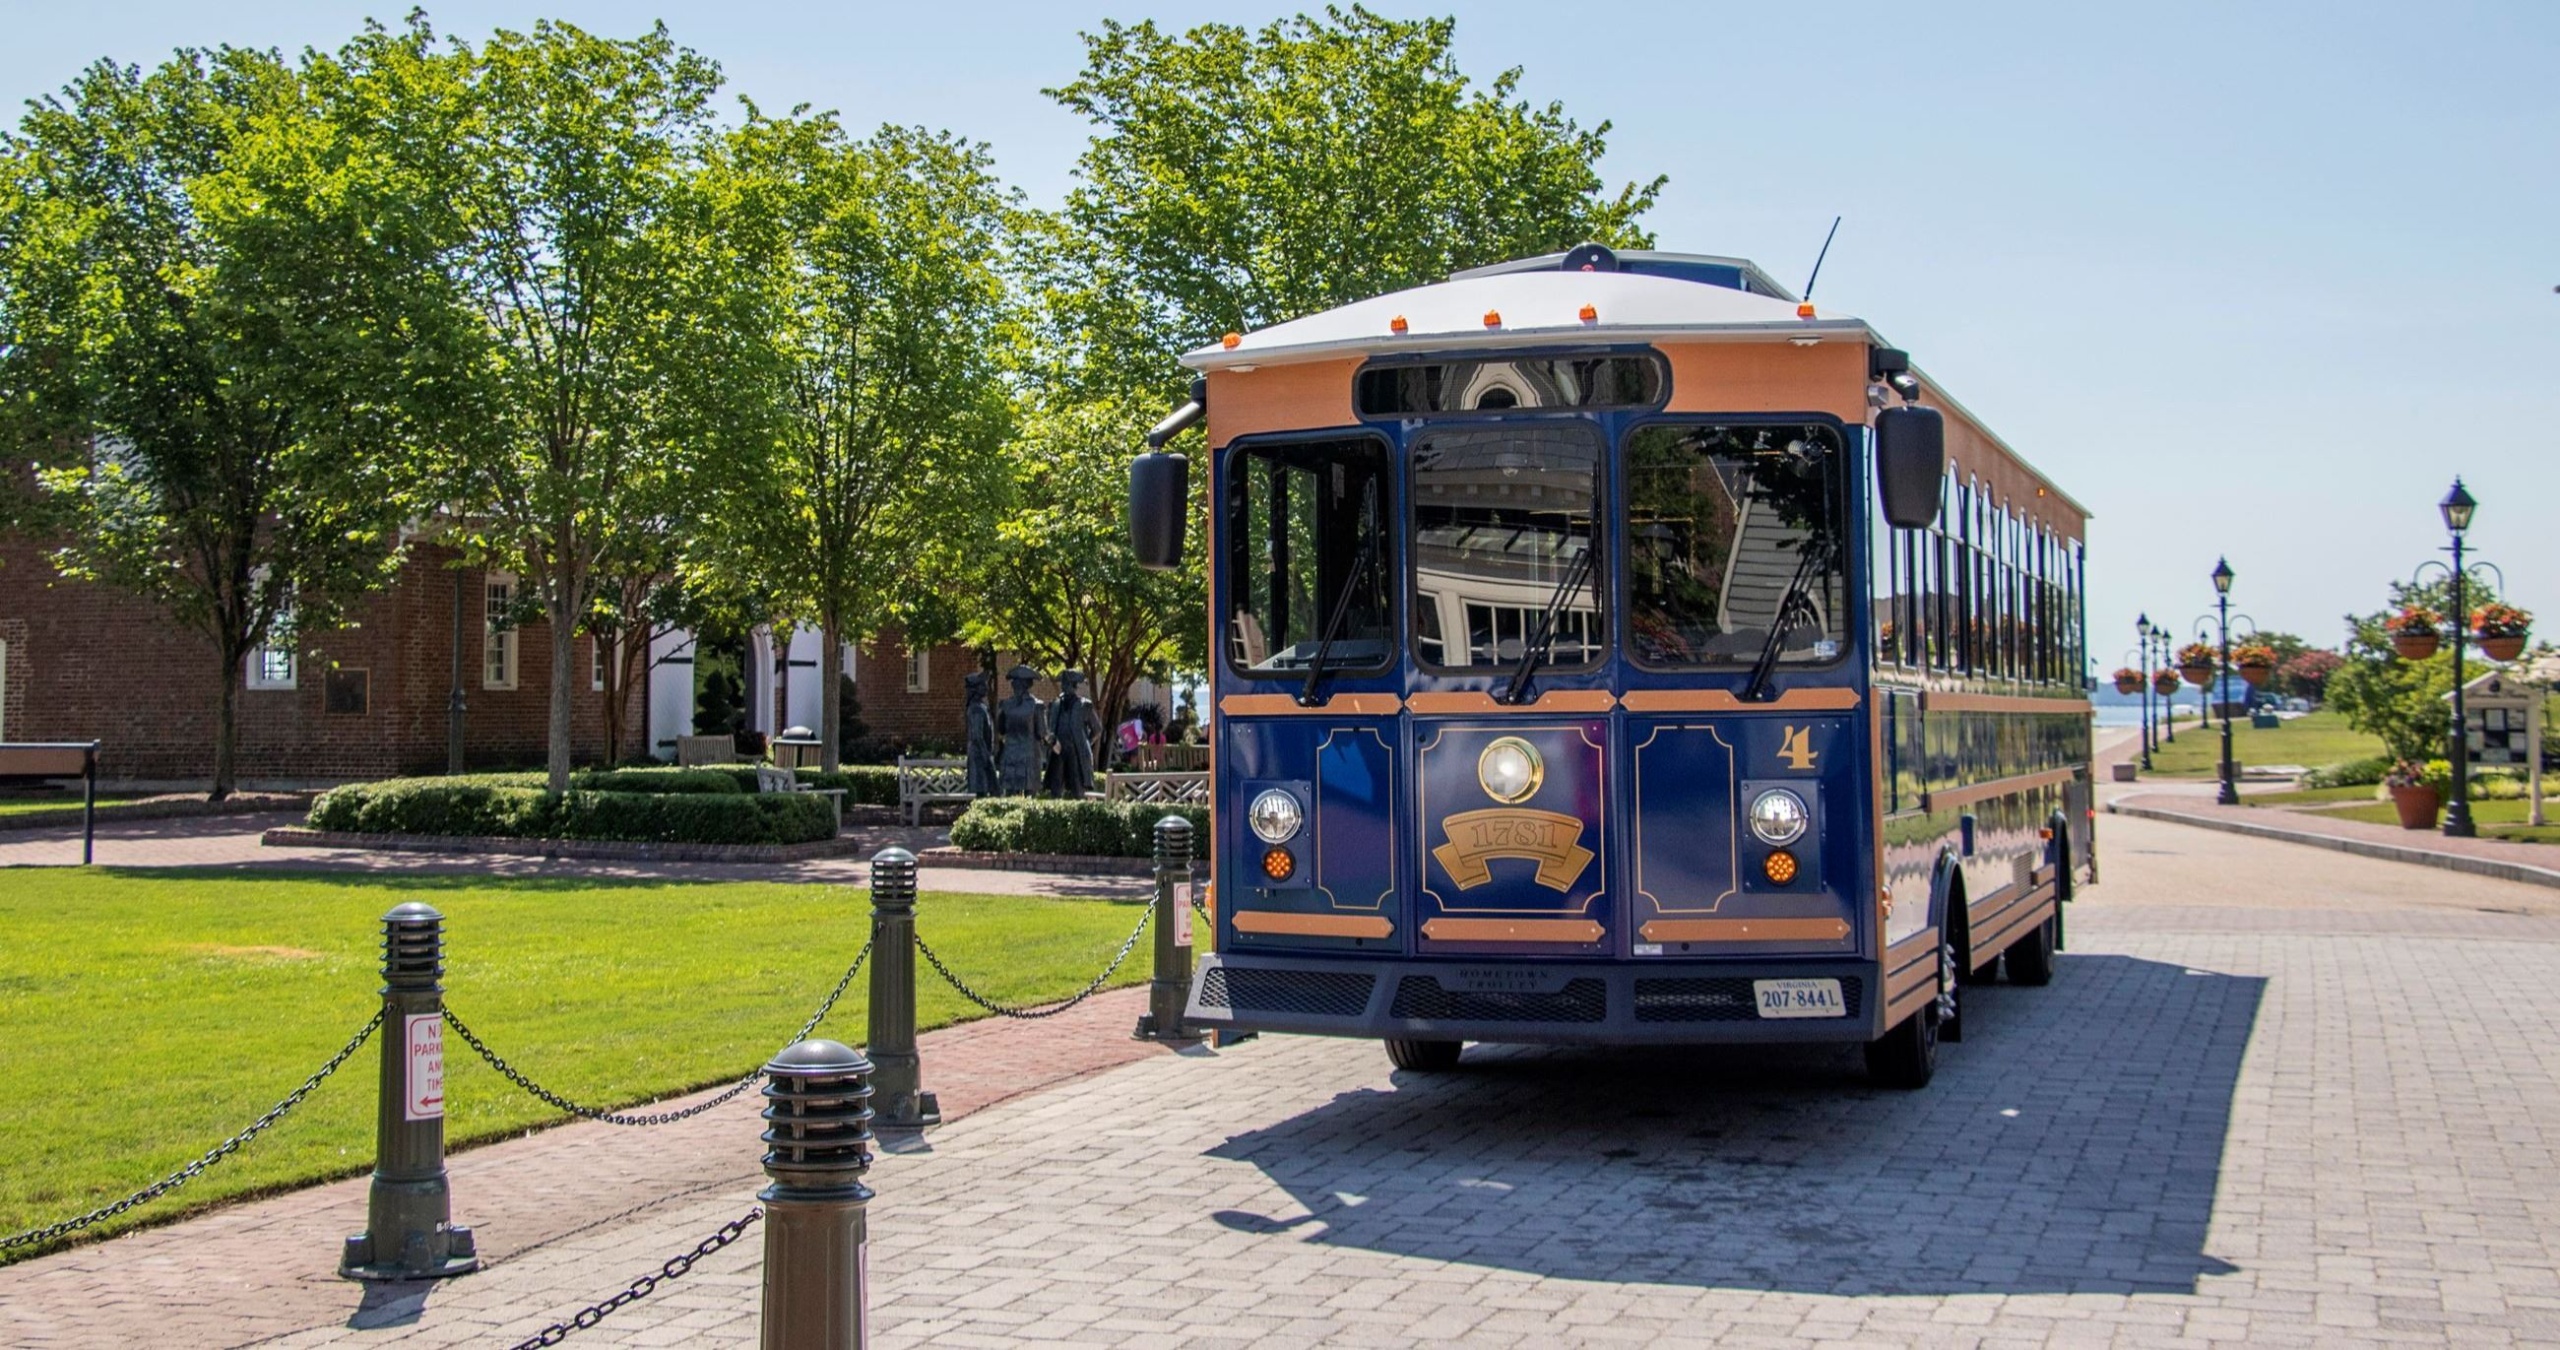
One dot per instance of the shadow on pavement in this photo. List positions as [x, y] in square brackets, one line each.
[2071, 1144]
[394, 1303]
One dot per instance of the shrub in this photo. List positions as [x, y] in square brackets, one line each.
[461, 806]
[1083, 829]
[863, 784]
[2353, 773]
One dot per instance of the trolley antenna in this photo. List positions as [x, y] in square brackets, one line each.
[1826, 252]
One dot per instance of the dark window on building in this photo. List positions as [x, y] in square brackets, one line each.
[1493, 386]
[346, 693]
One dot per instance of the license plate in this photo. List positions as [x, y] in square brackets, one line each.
[1799, 998]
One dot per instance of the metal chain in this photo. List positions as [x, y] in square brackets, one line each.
[1036, 1012]
[226, 1148]
[516, 1076]
[641, 1288]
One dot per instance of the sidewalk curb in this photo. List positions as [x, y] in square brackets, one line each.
[1062, 864]
[296, 836]
[173, 807]
[2451, 862]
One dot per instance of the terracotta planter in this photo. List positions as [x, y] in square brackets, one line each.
[2414, 646]
[2165, 683]
[2502, 648]
[2199, 676]
[2417, 806]
[2128, 684]
[2256, 675]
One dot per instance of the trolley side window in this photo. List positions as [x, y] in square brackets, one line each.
[1733, 533]
[1306, 535]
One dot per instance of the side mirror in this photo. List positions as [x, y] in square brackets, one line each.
[1159, 505]
[1911, 465]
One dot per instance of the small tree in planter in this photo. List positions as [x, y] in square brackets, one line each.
[2415, 631]
[2196, 662]
[2502, 629]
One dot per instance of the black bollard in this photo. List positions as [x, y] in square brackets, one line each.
[1172, 983]
[897, 1071]
[817, 1146]
[409, 1233]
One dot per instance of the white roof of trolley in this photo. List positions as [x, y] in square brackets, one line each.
[1529, 308]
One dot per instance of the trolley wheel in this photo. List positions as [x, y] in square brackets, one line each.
[1906, 1056]
[2030, 959]
[1423, 1056]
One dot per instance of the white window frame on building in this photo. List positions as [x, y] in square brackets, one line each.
[270, 665]
[599, 653]
[498, 650]
[919, 670]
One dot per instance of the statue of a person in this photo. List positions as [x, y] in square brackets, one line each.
[1022, 733]
[1074, 729]
[978, 734]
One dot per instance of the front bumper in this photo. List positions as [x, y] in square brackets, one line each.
[1559, 1003]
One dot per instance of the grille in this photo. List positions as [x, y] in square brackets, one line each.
[1323, 993]
[1421, 998]
[1714, 1000]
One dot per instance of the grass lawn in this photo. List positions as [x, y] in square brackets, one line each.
[2310, 796]
[2495, 819]
[147, 1015]
[2310, 740]
[18, 806]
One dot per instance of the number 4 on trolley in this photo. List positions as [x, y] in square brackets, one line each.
[1797, 748]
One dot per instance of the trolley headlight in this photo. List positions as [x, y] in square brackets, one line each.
[1275, 816]
[1778, 817]
[1510, 770]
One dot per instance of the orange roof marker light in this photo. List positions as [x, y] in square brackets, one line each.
[1804, 309]
[1397, 325]
[1591, 314]
[1231, 340]
[1493, 318]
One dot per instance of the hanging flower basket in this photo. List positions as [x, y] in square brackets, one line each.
[2255, 662]
[2502, 630]
[2415, 634]
[2128, 681]
[2196, 663]
[2164, 683]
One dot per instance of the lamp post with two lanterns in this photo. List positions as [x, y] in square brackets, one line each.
[2228, 794]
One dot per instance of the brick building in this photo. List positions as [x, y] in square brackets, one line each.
[79, 661]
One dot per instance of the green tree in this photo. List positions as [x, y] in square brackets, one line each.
[1062, 585]
[582, 249]
[1239, 179]
[883, 329]
[2403, 702]
[216, 313]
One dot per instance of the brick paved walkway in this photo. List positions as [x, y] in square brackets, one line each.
[2275, 1097]
[2194, 804]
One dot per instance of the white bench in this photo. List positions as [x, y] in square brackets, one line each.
[771, 779]
[930, 782]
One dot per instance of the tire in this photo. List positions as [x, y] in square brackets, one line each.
[1906, 1057]
[2029, 960]
[1423, 1056]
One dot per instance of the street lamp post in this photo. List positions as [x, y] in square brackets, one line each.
[2456, 508]
[2142, 626]
[2168, 701]
[2229, 793]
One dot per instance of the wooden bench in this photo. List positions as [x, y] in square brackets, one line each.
[693, 752]
[1162, 789]
[931, 782]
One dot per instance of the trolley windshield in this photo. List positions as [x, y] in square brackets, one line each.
[1734, 534]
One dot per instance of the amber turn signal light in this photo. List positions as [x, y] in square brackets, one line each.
[1279, 866]
[1781, 867]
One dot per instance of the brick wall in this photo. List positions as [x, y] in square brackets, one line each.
[86, 661]
[880, 678]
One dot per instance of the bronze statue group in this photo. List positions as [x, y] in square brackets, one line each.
[1026, 746]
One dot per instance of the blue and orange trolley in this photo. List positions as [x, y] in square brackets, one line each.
[1607, 648]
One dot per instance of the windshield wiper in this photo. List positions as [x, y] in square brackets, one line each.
[1536, 651]
[1793, 605]
[1333, 624]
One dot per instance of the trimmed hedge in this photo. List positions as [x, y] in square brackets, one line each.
[694, 813]
[863, 784]
[1083, 829]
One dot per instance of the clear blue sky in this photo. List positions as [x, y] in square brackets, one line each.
[2254, 280]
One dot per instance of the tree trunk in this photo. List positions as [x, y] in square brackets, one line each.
[614, 700]
[830, 697]
[226, 731]
[564, 638]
